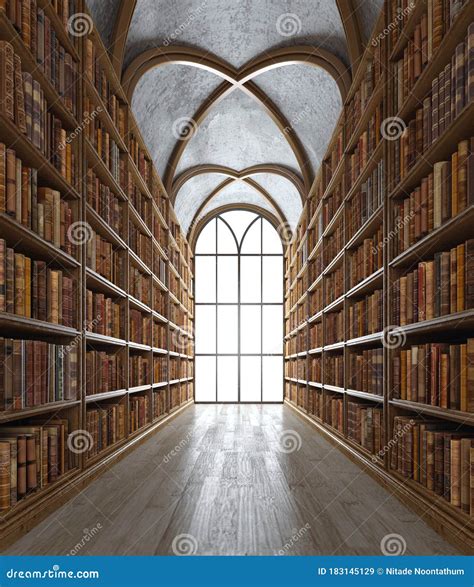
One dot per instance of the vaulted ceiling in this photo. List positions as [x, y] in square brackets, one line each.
[236, 99]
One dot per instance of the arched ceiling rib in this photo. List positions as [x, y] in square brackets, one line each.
[260, 84]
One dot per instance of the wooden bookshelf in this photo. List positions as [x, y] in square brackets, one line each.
[309, 386]
[137, 408]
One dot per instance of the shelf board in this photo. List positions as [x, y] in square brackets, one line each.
[334, 263]
[445, 414]
[316, 317]
[158, 351]
[103, 285]
[12, 323]
[367, 285]
[334, 347]
[138, 305]
[101, 226]
[97, 397]
[139, 263]
[315, 384]
[442, 148]
[334, 220]
[445, 236]
[368, 339]
[31, 156]
[369, 109]
[461, 323]
[139, 221]
[10, 416]
[139, 388]
[368, 228]
[334, 388]
[137, 346]
[335, 305]
[316, 351]
[94, 338]
[364, 395]
[28, 242]
[160, 385]
[102, 171]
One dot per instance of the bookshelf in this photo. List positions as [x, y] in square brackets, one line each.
[364, 228]
[126, 342]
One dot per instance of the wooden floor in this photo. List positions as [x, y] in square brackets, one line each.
[216, 475]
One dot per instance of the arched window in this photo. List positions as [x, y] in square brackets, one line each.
[239, 310]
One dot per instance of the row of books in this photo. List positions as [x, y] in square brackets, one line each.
[418, 54]
[334, 327]
[107, 149]
[366, 145]
[442, 195]
[35, 373]
[40, 209]
[316, 300]
[104, 259]
[31, 289]
[140, 285]
[334, 243]
[139, 370]
[160, 369]
[334, 413]
[315, 370]
[160, 336]
[159, 403]
[141, 203]
[140, 244]
[160, 300]
[440, 458]
[315, 337]
[22, 101]
[106, 426]
[315, 231]
[139, 412]
[140, 327]
[365, 370]
[334, 285]
[334, 369]
[102, 199]
[365, 316]
[315, 402]
[373, 73]
[98, 76]
[450, 94]
[365, 426]
[142, 162]
[32, 457]
[296, 369]
[437, 287]
[366, 258]
[365, 202]
[104, 372]
[179, 368]
[437, 374]
[104, 315]
[38, 34]
[331, 204]
[331, 161]
[178, 395]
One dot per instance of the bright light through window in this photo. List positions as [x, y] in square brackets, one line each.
[239, 310]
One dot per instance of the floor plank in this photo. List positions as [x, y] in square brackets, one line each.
[215, 481]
